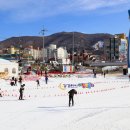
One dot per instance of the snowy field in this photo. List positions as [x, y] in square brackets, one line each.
[106, 106]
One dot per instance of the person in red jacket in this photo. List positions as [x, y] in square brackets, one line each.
[71, 96]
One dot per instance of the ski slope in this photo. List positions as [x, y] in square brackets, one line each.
[106, 106]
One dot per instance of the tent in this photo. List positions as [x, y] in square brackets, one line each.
[8, 69]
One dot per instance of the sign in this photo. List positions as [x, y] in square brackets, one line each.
[80, 85]
[68, 68]
[123, 50]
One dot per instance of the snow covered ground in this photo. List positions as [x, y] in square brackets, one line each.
[106, 106]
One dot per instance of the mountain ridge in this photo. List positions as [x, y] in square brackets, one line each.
[61, 39]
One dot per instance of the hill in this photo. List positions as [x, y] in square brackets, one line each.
[64, 39]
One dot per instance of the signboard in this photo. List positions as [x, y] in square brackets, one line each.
[68, 68]
[123, 50]
[80, 85]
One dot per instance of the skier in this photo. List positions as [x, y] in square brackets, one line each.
[0, 93]
[15, 81]
[71, 95]
[46, 79]
[12, 83]
[38, 83]
[94, 74]
[129, 77]
[104, 74]
[21, 92]
[20, 80]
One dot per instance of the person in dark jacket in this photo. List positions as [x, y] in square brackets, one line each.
[104, 74]
[38, 83]
[15, 81]
[46, 79]
[12, 83]
[20, 80]
[21, 92]
[129, 77]
[71, 95]
[0, 92]
[94, 74]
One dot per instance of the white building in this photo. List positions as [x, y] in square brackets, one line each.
[62, 53]
[50, 52]
[36, 53]
[8, 69]
[58, 54]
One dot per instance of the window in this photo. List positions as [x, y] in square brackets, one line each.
[13, 70]
[6, 70]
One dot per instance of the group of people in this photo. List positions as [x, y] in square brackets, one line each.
[102, 73]
[71, 95]
[15, 80]
[38, 82]
[21, 90]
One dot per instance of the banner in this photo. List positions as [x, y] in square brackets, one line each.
[65, 69]
[80, 85]
[123, 50]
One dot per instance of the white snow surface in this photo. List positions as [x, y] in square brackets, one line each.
[3, 61]
[106, 106]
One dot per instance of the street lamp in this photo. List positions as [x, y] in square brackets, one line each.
[43, 32]
[73, 50]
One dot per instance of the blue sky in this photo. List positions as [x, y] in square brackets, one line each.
[27, 17]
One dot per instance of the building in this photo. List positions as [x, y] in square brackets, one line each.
[111, 48]
[62, 53]
[8, 69]
[57, 54]
[34, 53]
[50, 52]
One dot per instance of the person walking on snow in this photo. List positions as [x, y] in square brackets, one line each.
[15, 81]
[20, 80]
[0, 92]
[38, 83]
[104, 74]
[21, 92]
[71, 96]
[129, 77]
[46, 79]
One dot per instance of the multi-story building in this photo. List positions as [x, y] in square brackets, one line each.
[111, 48]
[57, 54]
[62, 53]
[50, 52]
[35, 53]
